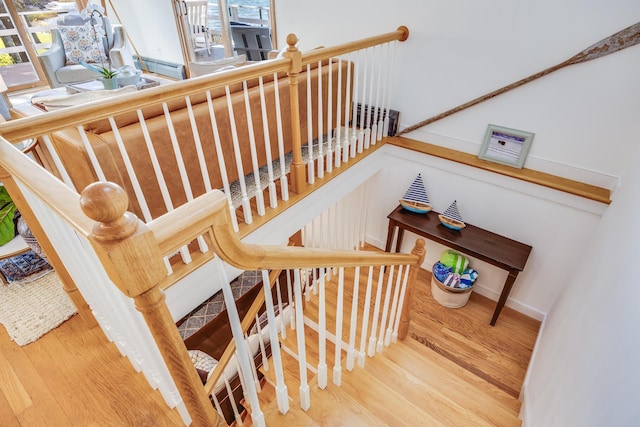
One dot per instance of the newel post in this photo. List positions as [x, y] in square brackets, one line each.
[130, 255]
[420, 252]
[297, 169]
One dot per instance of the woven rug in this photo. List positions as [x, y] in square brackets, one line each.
[28, 310]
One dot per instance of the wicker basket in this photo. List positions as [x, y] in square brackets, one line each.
[449, 297]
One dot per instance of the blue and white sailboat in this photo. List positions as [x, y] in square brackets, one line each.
[416, 199]
[451, 218]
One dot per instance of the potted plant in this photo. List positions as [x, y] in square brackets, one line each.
[107, 75]
[7, 214]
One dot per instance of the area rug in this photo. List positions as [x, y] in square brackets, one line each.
[30, 310]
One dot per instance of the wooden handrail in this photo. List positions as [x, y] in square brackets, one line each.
[401, 34]
[34, 126]
[209, 212]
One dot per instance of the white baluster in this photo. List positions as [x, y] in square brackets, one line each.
[254, 153]
[310, 162]
[292, 323]
[284, 186]
[337, 367]
[204, 170]
[394, 336]
[363, 102]
[56, 161]
[365, 318]
[377, 106]
[351, 351]
[320, 158]
[91, 153]
[305, 398]
[221, 162]
[142, 202]
[385, 309]
[329, 161]
[254, 372]
[242, 352]
[347, 109]
[338, 136]
[273, 196]
[281, 327]
[246, 207]
[353, 138]
[389, 81]
[282, 395]
[394, 305]
[263, 350]
[385, 86]
[376, 312]
[232, 400]
[322, 334]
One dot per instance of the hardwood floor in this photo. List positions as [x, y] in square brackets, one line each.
[74, 377]
[453, 370]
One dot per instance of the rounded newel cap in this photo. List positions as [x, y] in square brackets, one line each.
[106, 203]
[292, 40]
[405, 30]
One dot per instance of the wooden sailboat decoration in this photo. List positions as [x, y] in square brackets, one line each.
[451, 218]
[416, 199]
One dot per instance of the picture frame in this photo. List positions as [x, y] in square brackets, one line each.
[506, 146]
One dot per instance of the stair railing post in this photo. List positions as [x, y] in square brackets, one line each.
[405, 318]
[129, 252]
[297, 168]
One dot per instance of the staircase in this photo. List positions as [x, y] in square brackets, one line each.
[407, 383]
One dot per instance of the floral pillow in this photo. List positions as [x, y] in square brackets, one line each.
[80, 44]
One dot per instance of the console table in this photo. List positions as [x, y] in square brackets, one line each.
[497, 250]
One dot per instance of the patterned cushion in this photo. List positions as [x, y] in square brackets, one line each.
[80, 44]
[203, 363]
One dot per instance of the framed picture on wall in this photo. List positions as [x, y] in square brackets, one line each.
[506, 146]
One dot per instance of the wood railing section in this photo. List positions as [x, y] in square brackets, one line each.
[169, 144]
[143, 253]
[122, 243]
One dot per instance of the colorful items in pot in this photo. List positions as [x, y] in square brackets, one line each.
[445, 274]
[454, 260]
[468, 278]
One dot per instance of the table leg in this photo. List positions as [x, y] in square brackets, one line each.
[390, 231]
[506, 290]
[399, 239]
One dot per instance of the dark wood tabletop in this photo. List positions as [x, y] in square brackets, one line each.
[474, 241]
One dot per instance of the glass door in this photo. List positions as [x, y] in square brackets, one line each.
[24, 32]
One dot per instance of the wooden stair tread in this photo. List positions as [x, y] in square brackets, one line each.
[441, 368]
[497, 353]
[442, 386]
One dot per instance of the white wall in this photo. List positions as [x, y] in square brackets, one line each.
[584, 371]
[583, 115]
[557, 226]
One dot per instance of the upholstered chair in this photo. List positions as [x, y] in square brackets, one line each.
[54, 60]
